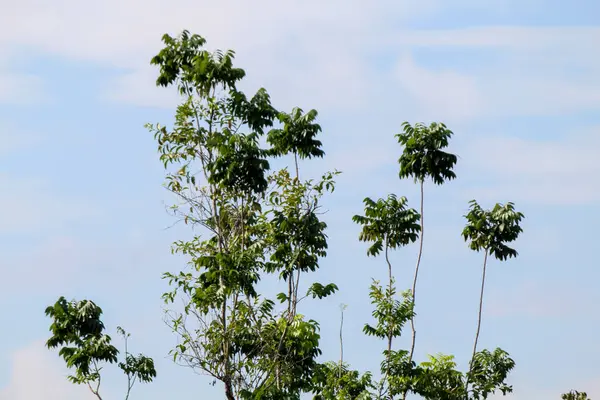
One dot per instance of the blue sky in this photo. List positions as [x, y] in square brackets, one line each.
[82, 207]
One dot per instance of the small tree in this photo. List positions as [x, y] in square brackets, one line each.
[388, 224]
[79, 333]
[489, 231]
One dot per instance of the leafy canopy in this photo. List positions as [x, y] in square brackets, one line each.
[79, 333]
[490, 230]
[423, 155]
[388, 222]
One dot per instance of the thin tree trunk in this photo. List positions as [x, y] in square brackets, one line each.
[414, 286]
[390, 289]
[294, 288]
[390, 333]
[478, 322]
[341, 343]
[296, 285]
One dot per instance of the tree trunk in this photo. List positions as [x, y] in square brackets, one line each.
[390, 333]
[478, 322]
[229, 389]
[414, 286]
[341, 344]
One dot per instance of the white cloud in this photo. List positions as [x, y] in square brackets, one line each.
[508, 37]
[20, 89]
[37, 374]
[441, 95]
[33, 207]
[139, 88]
[321, 54]
[533, 71]
[316, 53]
[78, 30]
[13, 139]
[562, 171]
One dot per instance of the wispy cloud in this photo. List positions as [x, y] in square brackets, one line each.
[441, 95]
[32, 206]
[21, 89]
[37, 374]
[540, 171]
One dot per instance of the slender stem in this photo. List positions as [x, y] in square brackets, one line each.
[478, 322]
[414, 287]
[341, 342]
[296, 285]
[294, 292]
[129, 383]
[96, 391]
[290, 293]
[390, 332]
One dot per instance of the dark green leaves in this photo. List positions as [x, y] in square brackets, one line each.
[238, 164]
[575, 395]
[183, 59]
[423, 156]
[319, 290]
[438, 379]
[489, 372]
[389, 313]
[297, 135]
[253, 222]
[490, 230]
[257, 113]
[296, 234]
[76, 328]
[388, 222]
[137, 367]
[78, 331]
[334, 381]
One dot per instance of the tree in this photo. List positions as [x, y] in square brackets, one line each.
[254, 222]
[78, 330]
[423, 158]
[489, 231]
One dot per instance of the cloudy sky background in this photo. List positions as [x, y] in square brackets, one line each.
[82, 207]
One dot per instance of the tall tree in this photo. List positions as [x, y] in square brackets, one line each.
[423, 157]
[254, 222]
[490, 231]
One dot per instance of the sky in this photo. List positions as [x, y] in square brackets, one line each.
[82, 207]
